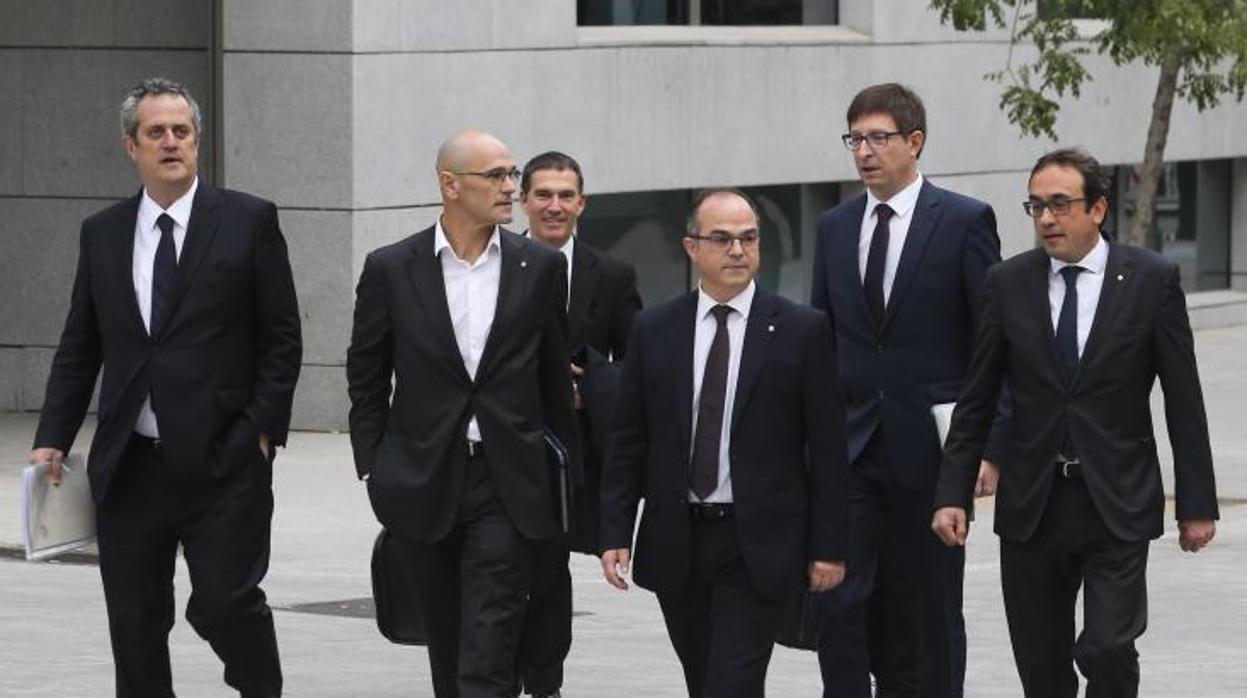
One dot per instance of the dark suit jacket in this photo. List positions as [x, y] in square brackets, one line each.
[1140, 333]
[221, 371]
[411, 396]
[789, 473]
[893, 374]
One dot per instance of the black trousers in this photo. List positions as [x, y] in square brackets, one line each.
[223, 527]
[722, 629]
[898, 614]
[472, 588]
[547, 636]
[1040, 578]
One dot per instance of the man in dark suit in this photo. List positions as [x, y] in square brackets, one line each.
[899, 269]
[729, 426]
[602, 300]
[1080, 329]
[457, 363]
[184, 295]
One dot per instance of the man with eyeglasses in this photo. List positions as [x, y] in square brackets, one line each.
[729, 426]
[1080, 328]
[602, 300]
[458, 359]
[899, 269]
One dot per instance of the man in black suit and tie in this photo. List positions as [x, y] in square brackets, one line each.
[729, 426]
[602, 300]
[1080, 329]
[899, 269]
[184, 295]
[457, 364]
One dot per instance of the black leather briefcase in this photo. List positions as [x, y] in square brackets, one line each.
[394, 593]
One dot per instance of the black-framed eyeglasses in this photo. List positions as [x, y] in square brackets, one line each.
[875, 139]
[496, 175]
[723, 241]
[1059, 206]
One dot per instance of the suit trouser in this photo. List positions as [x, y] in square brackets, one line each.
[547, 634]
[223, 526]
[472, 587]
[722, 629]
[1040, 578]
[898, 614]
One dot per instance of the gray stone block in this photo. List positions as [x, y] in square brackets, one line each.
[11, 116]
[10, 378]
[320, 400]
[68, 133]
[289, 25]
[288, 128]
[73, 23]
[36, 364]
[320, 255]
[373, 229]
[435, 25]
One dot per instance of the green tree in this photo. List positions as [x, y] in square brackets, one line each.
[1200, 47]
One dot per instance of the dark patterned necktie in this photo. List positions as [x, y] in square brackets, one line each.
[705, 468]
[164, 269]
[1067, 322]
[876, 261]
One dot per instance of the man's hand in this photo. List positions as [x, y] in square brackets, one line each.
[825, 576]
[615, 566]
[577, 373]
[949, 523]
[265, 445]
[1195, 534]
[989, 475]
[50, 455]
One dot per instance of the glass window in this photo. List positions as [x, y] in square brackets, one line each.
[706, 12]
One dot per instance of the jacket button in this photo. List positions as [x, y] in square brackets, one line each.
[879, 349]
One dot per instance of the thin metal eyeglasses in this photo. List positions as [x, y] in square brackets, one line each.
[496, 175]
[1059, 206]
[723, 241]
[875, 139]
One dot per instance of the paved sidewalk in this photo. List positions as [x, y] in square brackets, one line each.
[55, 640]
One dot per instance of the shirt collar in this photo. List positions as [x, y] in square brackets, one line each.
[901, 203]
[567, 246]
[1095, 261]
[179, 210]
[741, 303]
[440, 242]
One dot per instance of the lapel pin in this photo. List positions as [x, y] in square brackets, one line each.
[1120, 277]
[770, 328]
[524, 263]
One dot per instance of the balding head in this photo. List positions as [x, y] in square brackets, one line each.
[457, 151]
[477, 178]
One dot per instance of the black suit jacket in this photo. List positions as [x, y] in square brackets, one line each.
[1140, 333]
[894, 373]
[411, 396]
[220, 372]
[789, 473]
[603, 302]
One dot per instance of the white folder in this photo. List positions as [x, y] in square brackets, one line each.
[57, 519]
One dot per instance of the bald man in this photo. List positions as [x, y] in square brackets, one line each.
[458, 360]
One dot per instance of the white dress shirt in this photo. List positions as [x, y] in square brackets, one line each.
[902, 205]
[703, 337]
[471, 298]
[1090, 281]
[146, 240]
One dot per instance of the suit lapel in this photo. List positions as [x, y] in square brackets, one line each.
[125, 265]
[513, 286]
[1106, 309]
[844, 255]
[200, 230]
[1041, 309]
[760, 327]
[425, 271]
[683, 333]
[926, 214]
[584, 285]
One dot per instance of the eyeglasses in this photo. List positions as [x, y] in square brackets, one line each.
[496, 175]
[1059, 206]
[875, 139]
[723, 241]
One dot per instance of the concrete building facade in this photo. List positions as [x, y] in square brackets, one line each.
[334, 109]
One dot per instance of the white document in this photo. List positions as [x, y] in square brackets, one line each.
[943, 416]
[56, 520]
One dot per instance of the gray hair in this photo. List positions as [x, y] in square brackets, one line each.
[152, 87]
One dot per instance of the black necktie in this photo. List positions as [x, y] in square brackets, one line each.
[1067, 322]
[876, 262]
[705, 470]
[164, 268]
